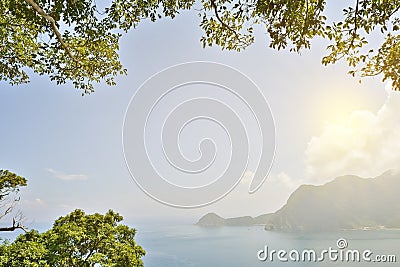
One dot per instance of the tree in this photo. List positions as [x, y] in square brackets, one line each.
[10, 184]
[85, 51]
[77, 240]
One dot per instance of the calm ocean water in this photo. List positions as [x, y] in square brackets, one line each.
[189, 245]
[193, 246]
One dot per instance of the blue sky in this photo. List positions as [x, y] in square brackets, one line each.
[69, 147]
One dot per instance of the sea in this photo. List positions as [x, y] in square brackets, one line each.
[195, 246]
[186, 245]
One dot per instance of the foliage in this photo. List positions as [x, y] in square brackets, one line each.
[77, 240]
[10, 184]
[75, 41]
[293, 24]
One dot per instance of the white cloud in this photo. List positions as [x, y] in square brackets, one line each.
[247, 178]
[283, 180]
[67, 177]
[33, 203]
[39, 201]
[365, 144]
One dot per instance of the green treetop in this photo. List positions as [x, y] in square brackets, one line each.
[74, 41]
[76, 240]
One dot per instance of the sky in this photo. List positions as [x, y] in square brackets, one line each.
[69, 147]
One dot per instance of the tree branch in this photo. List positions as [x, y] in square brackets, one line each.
[394, 11]
[215, 7]
[305, 19]
[7, 211]
[54, 27]
[355, 18]
[11, 205]
[353, 37]
[14, 227]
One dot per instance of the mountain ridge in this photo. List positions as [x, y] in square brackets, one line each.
[347, 202]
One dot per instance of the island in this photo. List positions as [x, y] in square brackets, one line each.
[346, 203]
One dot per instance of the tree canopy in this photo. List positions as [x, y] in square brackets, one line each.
[10, 184]
[77, 41]
[77, 239]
